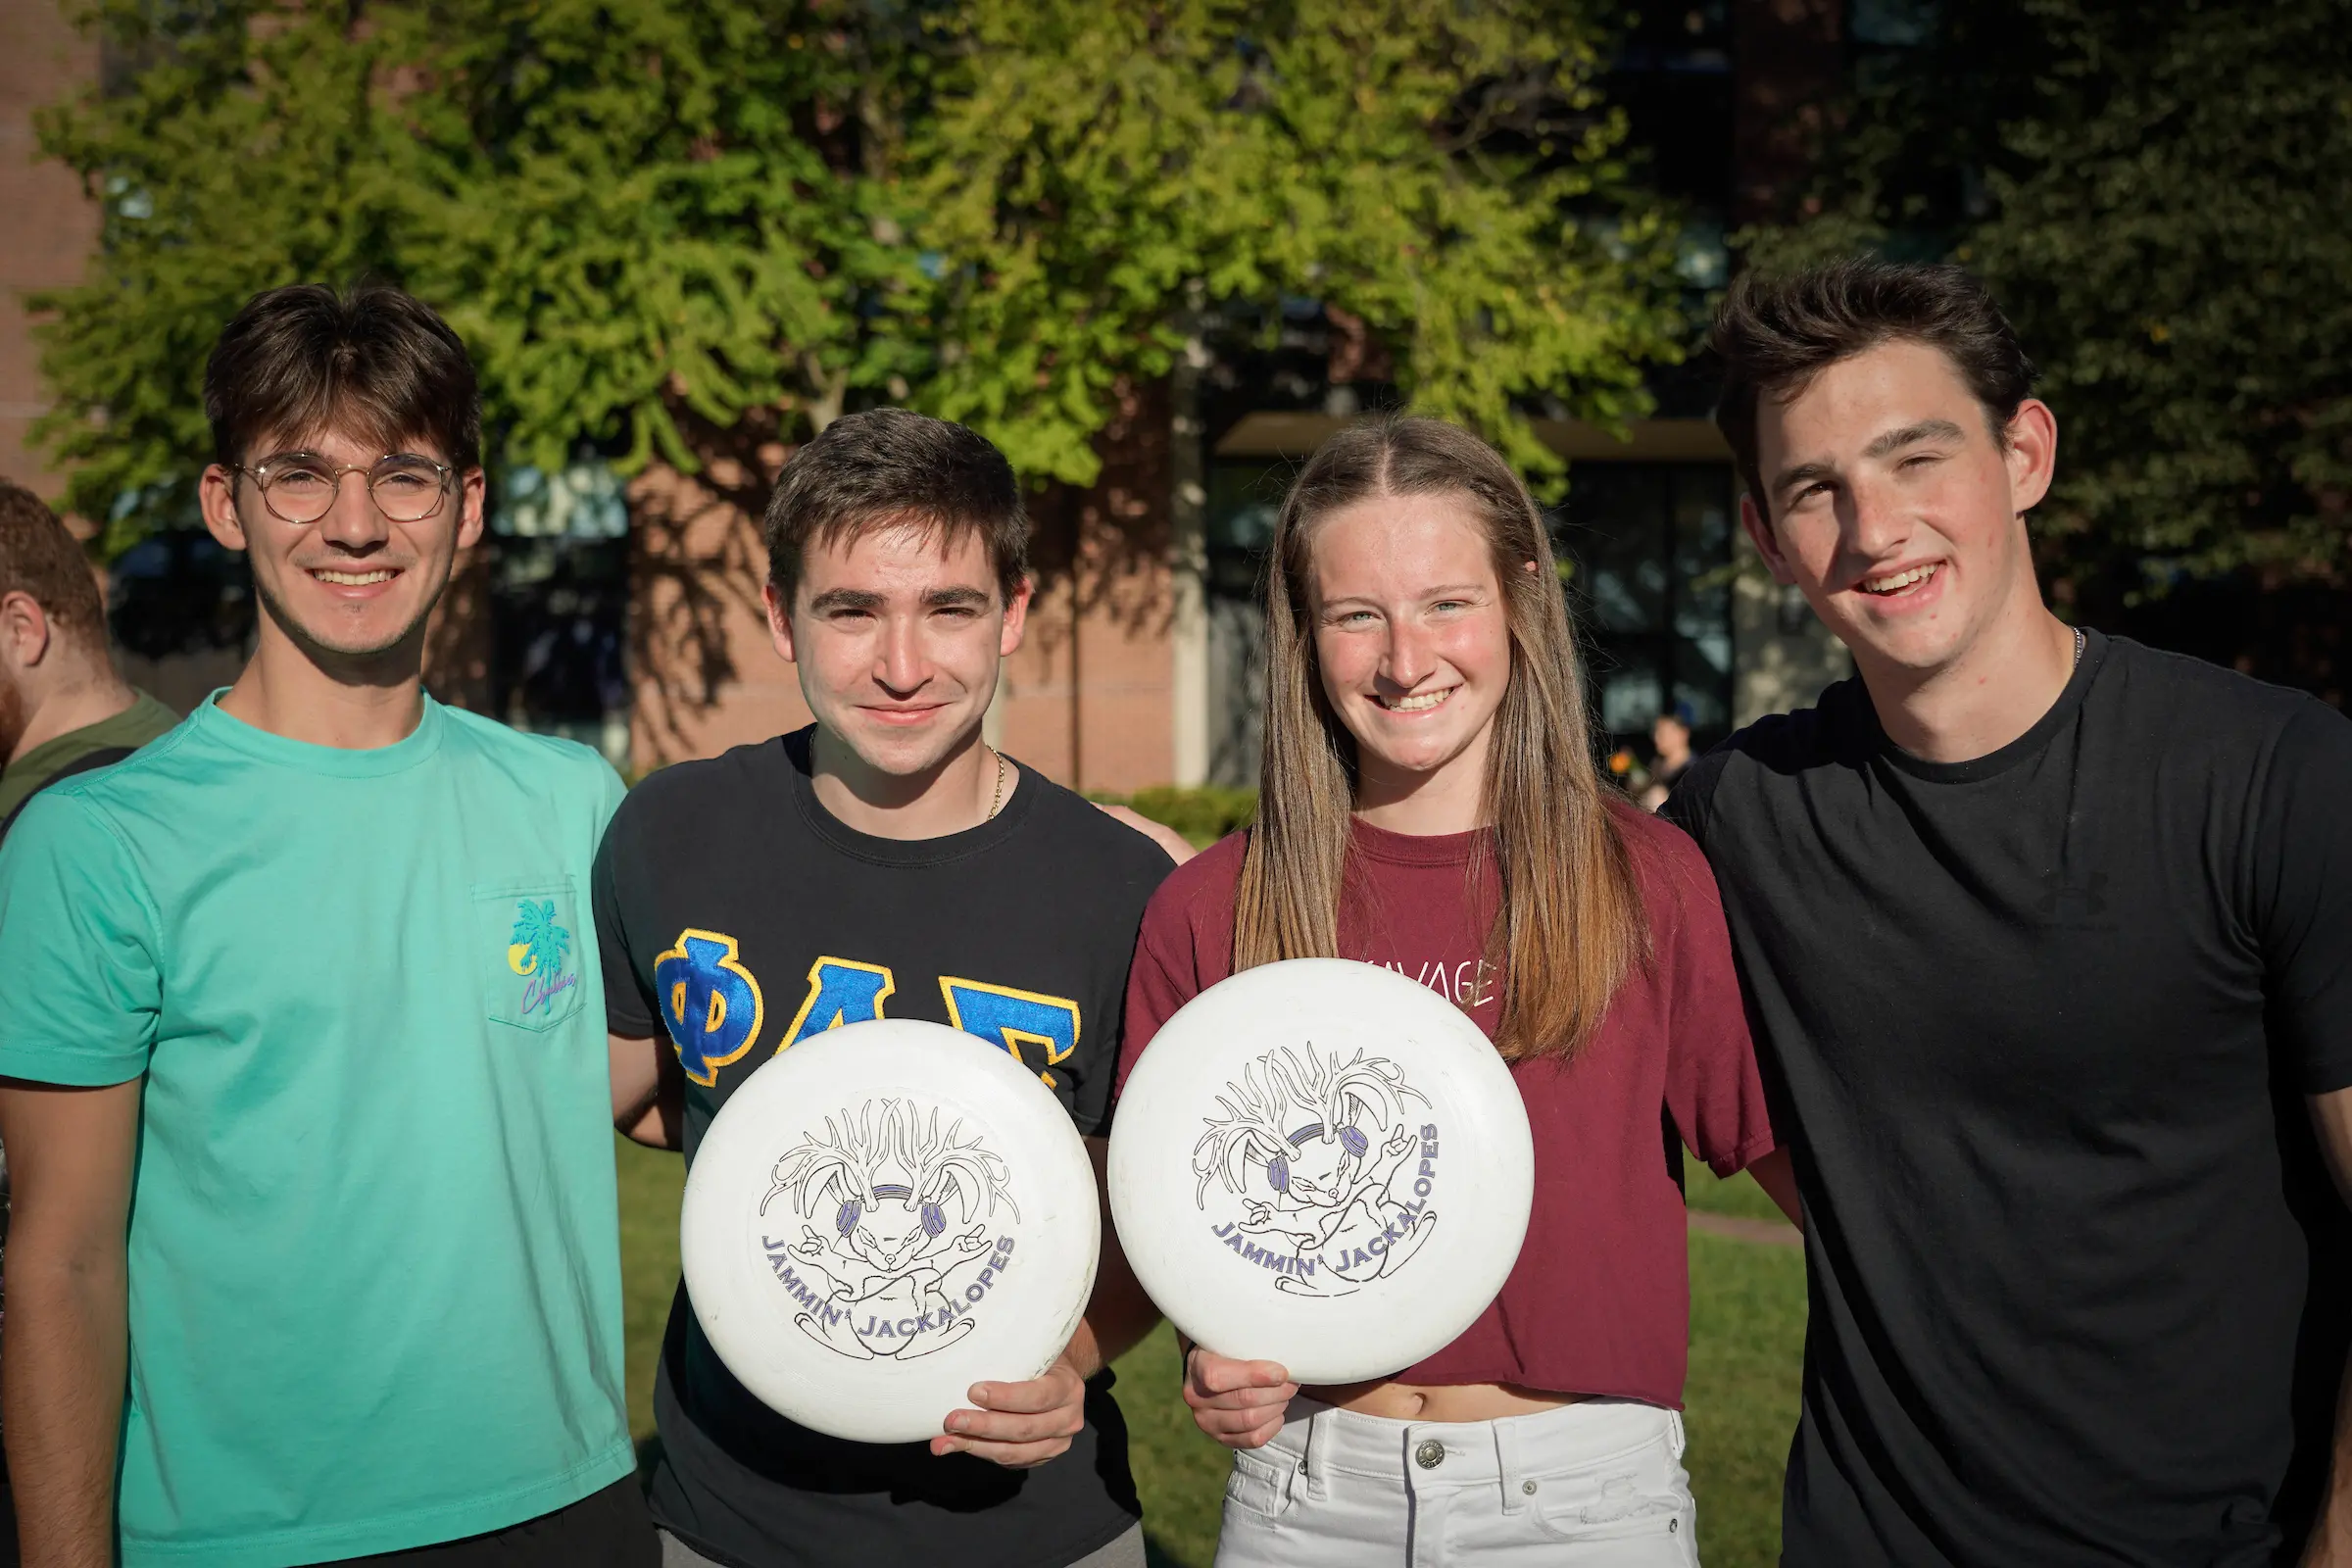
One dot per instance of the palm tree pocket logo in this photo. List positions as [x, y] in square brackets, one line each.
[536, 981]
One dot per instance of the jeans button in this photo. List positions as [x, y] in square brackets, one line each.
[1430, 1456]
[1528, 1486]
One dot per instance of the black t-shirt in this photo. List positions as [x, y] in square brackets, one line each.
[720, 873]
[2041, 1022]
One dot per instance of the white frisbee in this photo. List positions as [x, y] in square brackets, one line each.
[1321, 1163]
[882, 1216]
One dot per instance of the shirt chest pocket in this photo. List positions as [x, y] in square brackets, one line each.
[530, 950]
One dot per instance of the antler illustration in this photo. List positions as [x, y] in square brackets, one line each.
[942, 1166]
[842, 1161]
[1378, 1085]
[1283, 1090]
[1250, 1132]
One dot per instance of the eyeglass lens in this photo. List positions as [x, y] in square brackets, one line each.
[301, 489]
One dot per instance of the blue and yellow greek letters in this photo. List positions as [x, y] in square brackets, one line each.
[709, 1003]
[840, 991]
[1011, 1019]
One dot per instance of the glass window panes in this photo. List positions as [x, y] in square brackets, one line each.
[1244, 498]
[582, 499]
[1648, 549]
[559, 631]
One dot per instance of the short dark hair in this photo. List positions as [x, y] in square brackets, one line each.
[1774, 333]
[372, 360]
[888, 466]
[40, 558]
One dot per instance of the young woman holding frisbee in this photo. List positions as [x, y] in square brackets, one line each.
[1429, 803]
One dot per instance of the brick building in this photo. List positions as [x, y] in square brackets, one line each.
[46, 229]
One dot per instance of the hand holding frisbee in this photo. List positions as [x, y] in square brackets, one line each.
[1238, 1403]
[882, 1218]
[1321, 1164]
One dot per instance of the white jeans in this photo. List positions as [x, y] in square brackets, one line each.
[1595, 1485]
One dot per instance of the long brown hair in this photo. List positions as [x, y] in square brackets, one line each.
[1570, 923]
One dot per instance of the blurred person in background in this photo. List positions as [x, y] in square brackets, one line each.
[1429, 802]
[1670, 741]
[63, 709]
[2048, 938]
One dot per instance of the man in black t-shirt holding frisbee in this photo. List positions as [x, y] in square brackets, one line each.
[2048, 938]
[884, 862]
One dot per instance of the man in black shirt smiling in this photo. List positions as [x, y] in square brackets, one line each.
[884, 862]
[2049, 940]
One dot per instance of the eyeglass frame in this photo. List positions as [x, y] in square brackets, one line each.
[260, 474]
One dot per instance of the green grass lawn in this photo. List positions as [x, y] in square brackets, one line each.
[1748, 1325]
[650, 1183]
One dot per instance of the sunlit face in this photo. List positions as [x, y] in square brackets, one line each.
[898, 635]
[1410, 633]
[354, 583]
[1892, 508]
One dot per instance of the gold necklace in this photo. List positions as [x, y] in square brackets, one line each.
[997, 798]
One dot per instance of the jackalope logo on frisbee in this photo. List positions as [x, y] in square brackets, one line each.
[895, 1251]
[1326, 1180]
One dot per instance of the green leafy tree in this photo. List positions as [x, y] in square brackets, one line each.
[694, 232]
[243, 156]
[1445, 175]
[652, 222]
[662, 221]
[2156, 193]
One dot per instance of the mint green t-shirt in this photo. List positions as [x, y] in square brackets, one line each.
[374, 1267]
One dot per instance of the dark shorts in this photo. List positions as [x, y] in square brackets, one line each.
[1125, 1552]
[608, 1529]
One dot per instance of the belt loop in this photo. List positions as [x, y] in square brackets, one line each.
[1506, 1465]
[1315, 1461]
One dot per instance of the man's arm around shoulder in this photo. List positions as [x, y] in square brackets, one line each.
[1172, 843]
[71, 1154]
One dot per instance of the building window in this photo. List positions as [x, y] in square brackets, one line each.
[1245, 497]
[558, 605]
[179, 594]
[1649, 552]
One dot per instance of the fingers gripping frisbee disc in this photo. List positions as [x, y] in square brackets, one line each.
[882, 1216]
[1321, 1163]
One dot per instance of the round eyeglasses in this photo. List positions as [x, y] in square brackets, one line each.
[300, 487]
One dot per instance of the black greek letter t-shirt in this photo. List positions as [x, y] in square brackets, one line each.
[2042, 1021]
[716, 874]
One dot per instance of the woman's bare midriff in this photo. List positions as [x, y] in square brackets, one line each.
[1454, 1402]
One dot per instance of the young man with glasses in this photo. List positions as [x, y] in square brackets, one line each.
[2048, 938]
[308, 1098]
